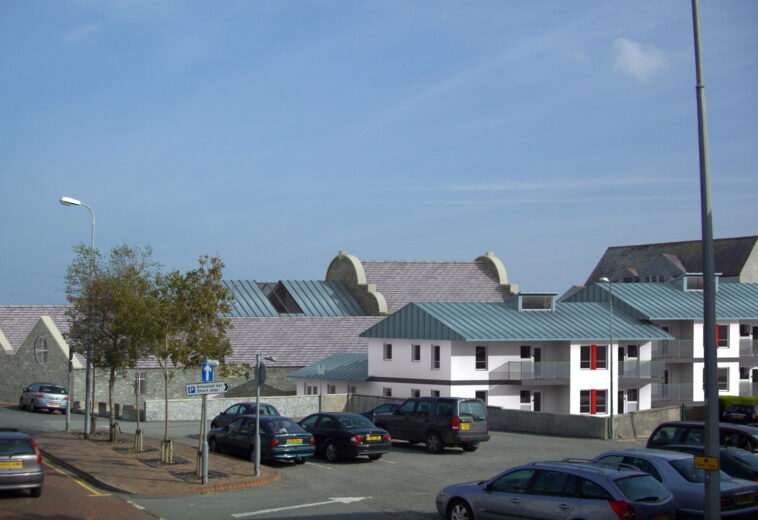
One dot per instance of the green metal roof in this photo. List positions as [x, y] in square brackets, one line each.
[668, 301]
[480, 321]
[313, 297]
[343, 366]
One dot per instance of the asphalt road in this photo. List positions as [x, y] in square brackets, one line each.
[400, 486]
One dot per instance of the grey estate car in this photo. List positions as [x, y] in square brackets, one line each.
[438, 422]
[20, 463]
[570, 489]
[44, 396]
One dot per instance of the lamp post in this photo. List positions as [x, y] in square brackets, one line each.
[260, 377]
[611, 425]
[68, 201]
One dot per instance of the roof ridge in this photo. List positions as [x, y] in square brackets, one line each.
[682, 242]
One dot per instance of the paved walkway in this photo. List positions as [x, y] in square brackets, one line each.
[116, 467]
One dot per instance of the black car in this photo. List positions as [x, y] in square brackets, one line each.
[741, 413]
[346, 435]
[693, 433]
[239, 409]
[382, 409]
[734, 462]
[281, 439]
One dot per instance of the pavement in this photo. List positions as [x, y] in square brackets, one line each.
[116, 467]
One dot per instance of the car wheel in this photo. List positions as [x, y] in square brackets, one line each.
[434, 443]
[212, 444]
[459, 510]
[36, 492]
[330, 451]
[21, 404]
[299, 460]
[376, 456]
[471, 446]
[32, 408]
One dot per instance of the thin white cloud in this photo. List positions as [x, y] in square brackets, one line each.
[638, 60]
[83, 32]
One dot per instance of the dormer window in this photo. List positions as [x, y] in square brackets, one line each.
[694, 282]
[536, 302]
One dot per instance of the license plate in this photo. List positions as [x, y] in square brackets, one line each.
[53, 405]
[294, 441]
[662, 516]
[465, 426]
[11, 464]
[373, 437]
[745, 498]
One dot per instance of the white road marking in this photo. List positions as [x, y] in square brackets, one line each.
[335, 500]
[320, 466]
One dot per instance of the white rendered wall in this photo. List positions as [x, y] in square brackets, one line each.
[698, 393]
[733, 348]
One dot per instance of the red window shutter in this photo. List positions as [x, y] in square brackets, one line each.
[593, 400]
[593, 362]
[717, 335]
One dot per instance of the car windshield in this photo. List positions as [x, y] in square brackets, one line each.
[643, 488]
[355, 421]
[281, 426]
[475, 409]
[686, 468]
[51, 389]
[9, 447]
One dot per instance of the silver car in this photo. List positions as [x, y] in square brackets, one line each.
[560, 490]
[20, 463]
[44, 396]
[676, 471]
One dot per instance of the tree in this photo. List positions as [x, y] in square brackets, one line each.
[188, 327]
[110, 299]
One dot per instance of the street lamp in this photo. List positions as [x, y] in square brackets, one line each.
[68, 201]
[260, 377]
[610, 353]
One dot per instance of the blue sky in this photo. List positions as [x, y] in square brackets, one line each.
[275, 134]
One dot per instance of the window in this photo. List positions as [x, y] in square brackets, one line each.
[722, 376]
[745, 372]
[593, 401]
[140, 382]
[331, 389]
[387, 391]
[481, 394]
[351, 389]
[526, 397]
[435, 357]
[513, 482]
[415, 353]
[593, 491]
[434, 393]
[632, 395]
[722, 336]
[594, 357]
[694, 283]
[632, 351]
[41, 350]
[744, 330]
[526, 352]
[537, 302]
[481, 358]
[415, 392]
[554, 483]
[387, 351]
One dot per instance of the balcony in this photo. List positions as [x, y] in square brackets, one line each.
[671, 394]
[748, 389]
[673, 348]
[636, 369]
[531, 371]
[748, 347]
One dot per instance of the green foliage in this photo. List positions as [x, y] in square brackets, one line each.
[728, 400]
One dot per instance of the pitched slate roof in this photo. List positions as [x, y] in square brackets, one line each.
[343, 366]
[17, 321]
[472, 321]
[730, 256]
[668, 301]
[402, 282]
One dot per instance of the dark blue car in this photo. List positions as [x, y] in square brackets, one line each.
[281, 439]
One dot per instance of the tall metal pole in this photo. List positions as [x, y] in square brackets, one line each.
[611, 424]
[712, 482]
[257, 467]
[88, 379]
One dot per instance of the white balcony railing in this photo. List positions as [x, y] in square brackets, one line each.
[529, 370]
[636, 369]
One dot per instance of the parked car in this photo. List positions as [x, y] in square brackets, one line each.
[20, 463]
[566, 489]
[439, 422]
[281, 439]
[44, 396]
[676, 471]
[239, 409]
[346, 435]
[382, 409]
[734, 462]
[741, 413]
[693, 432]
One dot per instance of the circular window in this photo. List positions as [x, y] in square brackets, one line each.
[40, 350]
